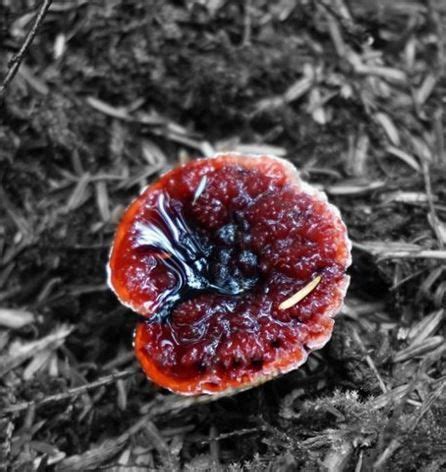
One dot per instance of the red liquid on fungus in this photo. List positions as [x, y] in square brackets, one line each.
[209, 252]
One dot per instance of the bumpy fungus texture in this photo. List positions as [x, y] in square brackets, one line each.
[212, 254]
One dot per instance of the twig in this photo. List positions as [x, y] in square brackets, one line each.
[247, 26]
[72, 392]
[214, 450]
[393, 446]
[159, 443]
[236, 433]
[175, 403]
[427, 254]
[342, 15]
[369, 360]
[396, 250]
[16, 60]
[432, 398]
[435, 18]
[432, 209]
[20, 355]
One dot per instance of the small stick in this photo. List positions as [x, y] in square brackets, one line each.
[16, 60]
[247, 26]
[430, 198]
[341, 14]
[301, 294]
[369, 360]
[72, 392]
[214, 448]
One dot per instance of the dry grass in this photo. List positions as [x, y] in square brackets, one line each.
[112, 93]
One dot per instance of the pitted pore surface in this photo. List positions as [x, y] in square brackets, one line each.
[209, 252]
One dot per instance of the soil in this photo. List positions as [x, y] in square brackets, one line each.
[111, 94]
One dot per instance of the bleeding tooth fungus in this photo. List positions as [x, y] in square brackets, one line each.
[238, 268]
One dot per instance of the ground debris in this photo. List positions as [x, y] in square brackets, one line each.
[109, 96]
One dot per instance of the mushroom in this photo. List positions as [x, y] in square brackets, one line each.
[237, 267]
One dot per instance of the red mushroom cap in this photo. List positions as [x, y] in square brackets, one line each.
[238, 267]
